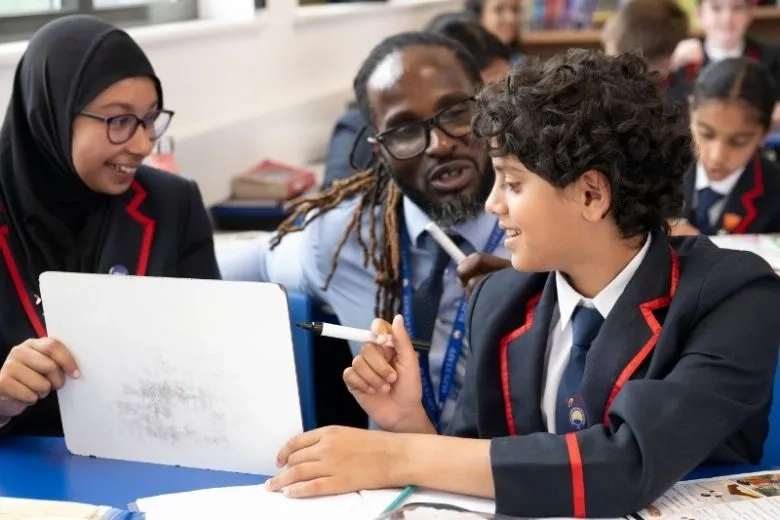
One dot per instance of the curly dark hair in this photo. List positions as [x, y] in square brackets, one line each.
[586, 111]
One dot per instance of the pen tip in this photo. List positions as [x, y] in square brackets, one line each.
[303, 325]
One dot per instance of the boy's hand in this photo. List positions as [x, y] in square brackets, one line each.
[31, 371]
[385, 380]
[335, 460]
[687, 52]
[476, 266]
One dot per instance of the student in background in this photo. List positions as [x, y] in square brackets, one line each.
[725, 24]
[651, 28]
[732, 188]
[502, 19]
[85, 110]
[363, 249]
[493, 57]
[608, 364]
[349, 150]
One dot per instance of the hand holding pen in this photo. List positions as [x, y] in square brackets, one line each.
[472, 268]
[331, 330]
[386, 381]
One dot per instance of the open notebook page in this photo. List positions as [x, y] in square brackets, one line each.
[250, 501]
[255, 501]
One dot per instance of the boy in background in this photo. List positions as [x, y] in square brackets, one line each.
[653, 29]
[725, 24]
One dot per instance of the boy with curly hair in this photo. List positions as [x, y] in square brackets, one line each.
[613, 359]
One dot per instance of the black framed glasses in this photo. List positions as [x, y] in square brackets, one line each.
[122, 127]
[410, 140]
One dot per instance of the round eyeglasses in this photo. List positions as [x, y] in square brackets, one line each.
[410, 140]
[122, 127]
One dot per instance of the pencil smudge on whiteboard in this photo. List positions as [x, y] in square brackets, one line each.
[171, 412]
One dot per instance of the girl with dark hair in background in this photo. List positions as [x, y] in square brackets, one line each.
[732, 188]
[502, 19]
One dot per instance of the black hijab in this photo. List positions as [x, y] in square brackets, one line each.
[56, 219]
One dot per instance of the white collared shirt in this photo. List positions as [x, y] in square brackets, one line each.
[723, 187]
[559, 340]
[715, 54]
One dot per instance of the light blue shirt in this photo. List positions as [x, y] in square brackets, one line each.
[303, 260]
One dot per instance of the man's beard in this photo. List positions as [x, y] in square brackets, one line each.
[453, 211]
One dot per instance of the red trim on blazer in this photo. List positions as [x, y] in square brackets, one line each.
[530, 308]
[647, 308]
[577, 475]
[21, 290]
[691, 71]
[146, 222]
[748, 197]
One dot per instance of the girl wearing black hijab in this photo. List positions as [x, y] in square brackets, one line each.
[85, 111]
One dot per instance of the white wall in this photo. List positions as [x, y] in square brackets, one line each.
[248, 85]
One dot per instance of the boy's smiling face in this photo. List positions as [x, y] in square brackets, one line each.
[725, 21]
[545, 224]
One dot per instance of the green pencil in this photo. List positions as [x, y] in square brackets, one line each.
[400, 499]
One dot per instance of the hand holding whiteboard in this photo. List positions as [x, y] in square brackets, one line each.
[197, 373]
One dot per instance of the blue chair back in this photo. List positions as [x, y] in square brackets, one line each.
[772, 444]
[303, 347]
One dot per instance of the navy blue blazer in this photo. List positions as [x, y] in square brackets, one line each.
[752, 207]
[680, 375]
[159, 227]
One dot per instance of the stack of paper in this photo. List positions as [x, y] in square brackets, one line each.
[237, 502]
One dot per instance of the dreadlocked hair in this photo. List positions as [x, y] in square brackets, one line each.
[374, 185]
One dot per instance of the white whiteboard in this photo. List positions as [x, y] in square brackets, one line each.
[196, 373]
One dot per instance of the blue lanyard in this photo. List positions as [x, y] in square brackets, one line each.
[455, 344]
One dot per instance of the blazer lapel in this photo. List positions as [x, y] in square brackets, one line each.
[129, 239]
[631, 330]
[522, 364]
[740, 210]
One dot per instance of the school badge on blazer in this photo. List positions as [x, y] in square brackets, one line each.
[577, 417]
[118, 269]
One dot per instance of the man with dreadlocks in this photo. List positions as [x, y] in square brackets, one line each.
[361, 245]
